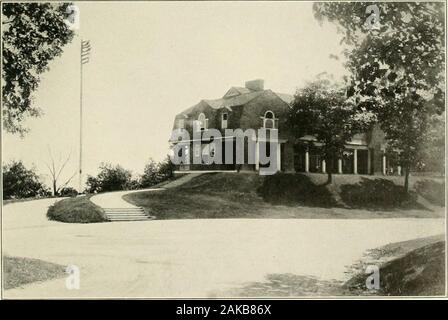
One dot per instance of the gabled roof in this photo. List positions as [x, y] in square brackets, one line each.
[235, 91]
[236, 96]
[285, 97]
[238, 100]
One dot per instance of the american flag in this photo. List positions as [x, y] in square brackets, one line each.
[85, 51]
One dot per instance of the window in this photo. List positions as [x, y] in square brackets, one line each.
[269, 120]
[202, 122]
[212, 149]
[224, 118]
[197, 150]
[180, 124]
[208, 152]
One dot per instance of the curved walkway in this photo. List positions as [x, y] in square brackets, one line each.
[115, 199]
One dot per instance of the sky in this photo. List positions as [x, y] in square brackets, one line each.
[151, 60]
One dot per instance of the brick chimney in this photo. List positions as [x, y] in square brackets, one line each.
[256, 85]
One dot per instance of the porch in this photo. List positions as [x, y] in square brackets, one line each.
[355, 159]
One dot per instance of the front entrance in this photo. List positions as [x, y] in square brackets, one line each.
[363, 161]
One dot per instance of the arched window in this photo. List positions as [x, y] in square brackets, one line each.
[269, 120]
[202, 122]
[269, 115]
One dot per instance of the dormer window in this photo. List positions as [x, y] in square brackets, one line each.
[224, 118]
[269, 120]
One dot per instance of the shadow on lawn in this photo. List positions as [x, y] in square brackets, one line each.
[293, 189]
[420, 272]
[289, 285]
[380, 194]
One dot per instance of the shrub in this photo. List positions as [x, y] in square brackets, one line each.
[20, 182]
[295, 189]
[377, 194]
[76, 210]
[68, 192]
[150, 175]
[166, 169]
[110, 178]
[156, 173]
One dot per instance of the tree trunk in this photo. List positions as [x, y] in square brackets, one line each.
[55, 189]
[329, 173]
[329, 177]
[406, 179]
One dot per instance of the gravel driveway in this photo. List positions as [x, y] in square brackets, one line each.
[192, 258]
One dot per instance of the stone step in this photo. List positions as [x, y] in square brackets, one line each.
[137, 209]
[126, 214]
[124, 219]
[127, 217]
[123, 209]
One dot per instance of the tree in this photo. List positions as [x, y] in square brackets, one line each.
[396, 59]
[110, 178]
[93, 184]
[55, 170]
[432, 157]
[33, 35]
[20, 182]
[322, 110]
[150, 175]
[166, 169]
[155, 173]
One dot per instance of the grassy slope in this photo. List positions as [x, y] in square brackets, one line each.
[409, 268]
[76, 210]
[20, 271]
[206, 196]
[248, 195]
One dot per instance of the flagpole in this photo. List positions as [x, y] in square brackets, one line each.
[80, 122]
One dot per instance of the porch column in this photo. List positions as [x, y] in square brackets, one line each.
[355, 161]
[307, 161]
[399, 170]
[384, 164]
[324, 166]
[279, 156]
[257, 155]
[339, 165]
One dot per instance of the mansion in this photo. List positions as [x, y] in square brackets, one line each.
[254, 107]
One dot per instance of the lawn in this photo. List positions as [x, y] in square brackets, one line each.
[249, 195]
[76, 210]
[21, 271]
